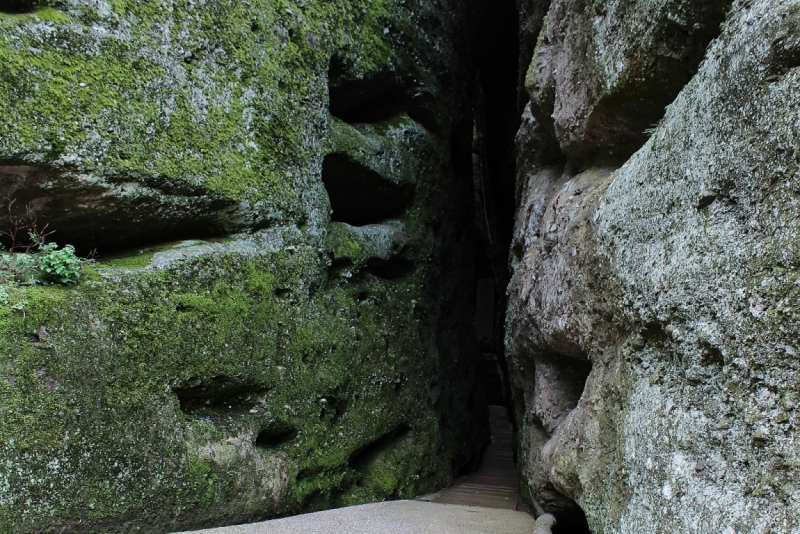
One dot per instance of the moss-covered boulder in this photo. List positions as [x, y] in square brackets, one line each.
[251, 340]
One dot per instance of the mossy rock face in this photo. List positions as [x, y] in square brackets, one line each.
[280, 361]
[186, 119]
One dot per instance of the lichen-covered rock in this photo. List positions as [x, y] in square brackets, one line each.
[320, 356]
[669, 286]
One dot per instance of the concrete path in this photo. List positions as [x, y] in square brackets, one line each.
[395, 517]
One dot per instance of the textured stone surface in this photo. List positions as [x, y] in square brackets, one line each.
[602, 72]
[322, 355]
[669, 285]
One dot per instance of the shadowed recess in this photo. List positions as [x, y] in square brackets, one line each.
[116, 214]
[572, 521]
[370, 99]
[378, 97]
[218, 393]
[18, 6]
[275, 434]
[391, 269]
[359, 195]
[363, 456]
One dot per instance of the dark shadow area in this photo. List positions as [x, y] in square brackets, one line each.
[571, 522]
[371, 99]
[391, 269]
[14, 7]
[360, 195]
[379, 97]
[495, 45]
[275, 434]
[220, 393]
[497, 120]
[492, 379]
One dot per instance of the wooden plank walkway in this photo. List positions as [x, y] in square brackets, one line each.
[495, 483]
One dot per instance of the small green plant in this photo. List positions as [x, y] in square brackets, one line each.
[47, 265]
[58, 266]
[32, 261]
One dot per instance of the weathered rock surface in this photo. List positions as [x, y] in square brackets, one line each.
[602, 72]
[300, 350]
[653, 321]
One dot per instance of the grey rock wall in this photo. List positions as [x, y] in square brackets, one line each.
[653, 323]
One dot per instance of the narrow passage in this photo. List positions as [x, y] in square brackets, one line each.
[495, 483]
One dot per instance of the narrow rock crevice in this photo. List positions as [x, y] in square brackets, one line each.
[503, 51]
[496, 121]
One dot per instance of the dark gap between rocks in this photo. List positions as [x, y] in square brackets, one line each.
[495, 45]
[496, 107]
[496, 119]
